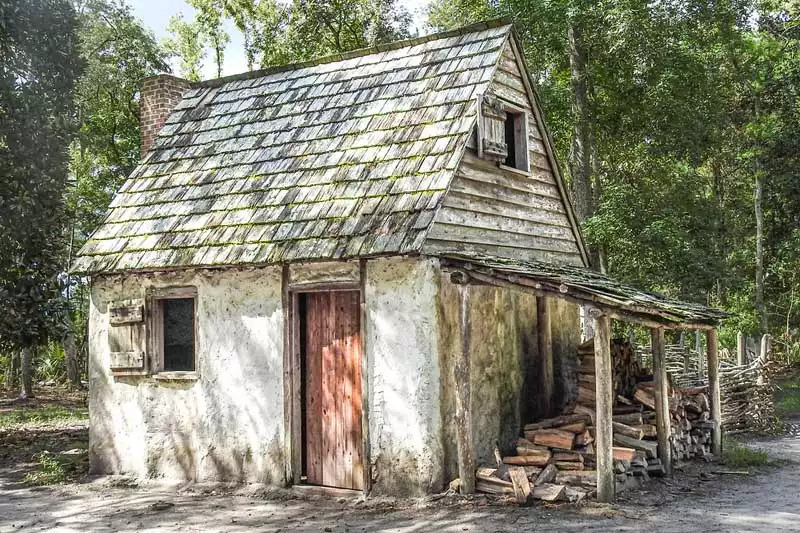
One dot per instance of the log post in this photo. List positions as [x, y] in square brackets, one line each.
[700, 359]
[714, 389]
[741, 350]
[545, 343]
[687, 363]
[604, 398]
[463, 418]
[765, 354]
[663, 429]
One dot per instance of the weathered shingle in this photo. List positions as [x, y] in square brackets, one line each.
[331, 160]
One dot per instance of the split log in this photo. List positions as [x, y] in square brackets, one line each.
[624, 454]
[568, 465]
[527, 460]
[649, 448]
[526, 447]
[575, 427]
[568, 456]
[645, 397]
[550, 492]
[552, 438]
[584, 439]
[628, 431]
[547, 475]
[632, 419]
[582, 477]
[648, 430]
[583, 410]
[557, 421]
[521, 485]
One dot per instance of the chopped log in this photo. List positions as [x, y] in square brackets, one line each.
[627, 409]
[553, 438]
[631, 419]
[531, 471]
[623, 400]
[648, 430]
[648, 447]
[586, 395]
[522, 487]
[624, 454]
[568, 465]
[626, 430]
[527, 460]
[584, 439]
[568, 456]
[526, 447]
[583, 410]
[656, 470]
[557, 421]
[484, 472]
[575, 427]
[645, 397]
[587, 379]
[550, 492]
[547, 475]
[492, 488]
[579, 477]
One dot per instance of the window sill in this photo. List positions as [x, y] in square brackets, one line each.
[176, 376]
[514, 170]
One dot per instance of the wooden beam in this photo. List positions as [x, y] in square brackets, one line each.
[289, 443]
[701, 361]
[545, 340]
[365, 396]
[463, 418]
[663, 429]
[604, 444]
[741, 349]
[714, 390]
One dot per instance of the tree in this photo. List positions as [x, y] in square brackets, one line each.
[38, 68]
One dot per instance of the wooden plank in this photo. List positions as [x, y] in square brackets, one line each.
[661, 398]
[552, 438]
[650, 448]
[545, 344]
[480, 188]
[315, 304]
[550, 492]
[712, 347]
[134, 359]
[527, 460]
[474, 218]
[494, 206]
[463, 397]
[126, 312]
[603, 417]
[628, 431]
[289, 444]
[557, 421]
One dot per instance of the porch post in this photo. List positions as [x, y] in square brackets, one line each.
[741, 349]
[461, 375]
[545, 343]
[714, 390]
[663, 428]
[604, 394]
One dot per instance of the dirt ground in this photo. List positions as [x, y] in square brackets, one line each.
[696, 499]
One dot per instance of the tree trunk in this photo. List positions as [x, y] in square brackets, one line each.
[13, 377]
[27, 373]
[580, 156]
[758, 197]
[71, 359]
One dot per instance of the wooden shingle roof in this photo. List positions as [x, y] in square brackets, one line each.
[344, 157]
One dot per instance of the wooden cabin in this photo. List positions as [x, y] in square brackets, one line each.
[358, 272]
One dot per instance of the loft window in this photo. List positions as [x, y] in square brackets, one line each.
[516, 140]
[173, 330]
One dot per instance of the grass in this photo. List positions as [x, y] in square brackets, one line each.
[737, 455]
[787, 400]
[21, 416]
[51, 471]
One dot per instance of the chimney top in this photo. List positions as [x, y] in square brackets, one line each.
[157, 98]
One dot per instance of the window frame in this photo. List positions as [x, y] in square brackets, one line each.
[521, 141]
[156, 332]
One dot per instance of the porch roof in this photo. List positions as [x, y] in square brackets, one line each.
[586, 287]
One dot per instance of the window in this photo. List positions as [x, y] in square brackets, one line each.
[516, 141]
[173, 331]
[178, 327]
[503, 133]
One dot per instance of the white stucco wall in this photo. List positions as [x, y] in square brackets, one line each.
[404, 386]
[227, 425]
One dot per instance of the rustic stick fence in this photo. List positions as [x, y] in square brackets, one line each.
[745, 381]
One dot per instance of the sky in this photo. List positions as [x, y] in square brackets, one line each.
[155, 14]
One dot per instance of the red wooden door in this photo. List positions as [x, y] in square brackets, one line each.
[333, 389]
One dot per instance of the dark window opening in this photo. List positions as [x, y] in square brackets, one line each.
[511, 139]
[178, 334]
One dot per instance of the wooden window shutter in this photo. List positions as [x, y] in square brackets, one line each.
[491, 128]
[126, 335]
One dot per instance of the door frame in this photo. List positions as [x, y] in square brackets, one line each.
[293, 437]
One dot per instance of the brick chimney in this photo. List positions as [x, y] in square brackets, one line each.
[158, 97]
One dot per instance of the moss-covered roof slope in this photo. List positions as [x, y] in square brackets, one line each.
[344, 157]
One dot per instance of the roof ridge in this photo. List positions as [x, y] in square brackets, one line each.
[360, 52]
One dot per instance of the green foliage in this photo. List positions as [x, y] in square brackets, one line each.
[282, 32]
[38, 68]
[787, 401]
[50, 472]
[23, 416]
[737, 455]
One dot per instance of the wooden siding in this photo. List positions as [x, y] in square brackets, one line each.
[493, 210]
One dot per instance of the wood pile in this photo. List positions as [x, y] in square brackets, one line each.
[634, 412]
